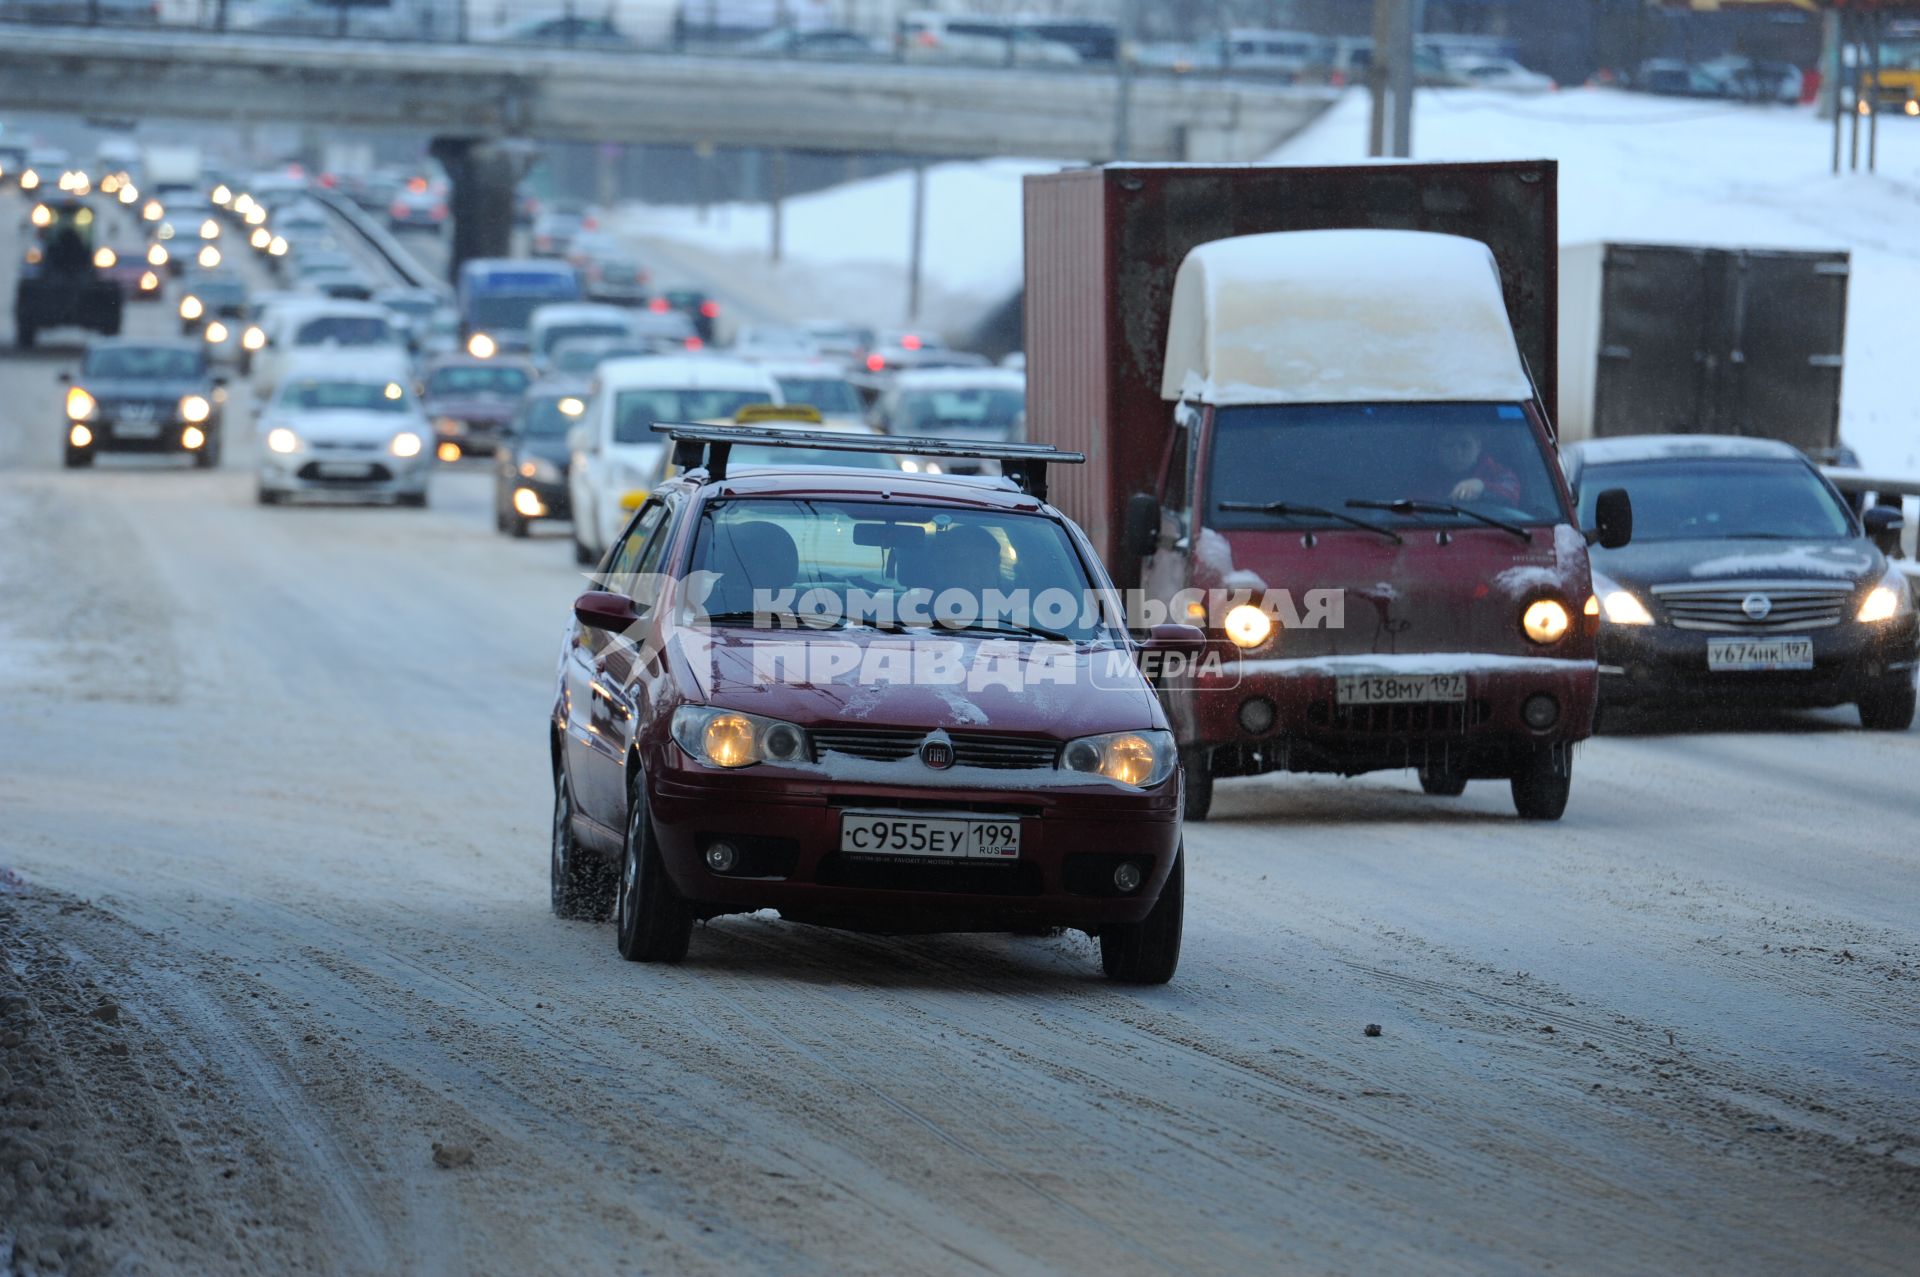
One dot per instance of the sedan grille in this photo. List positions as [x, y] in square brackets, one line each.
[1754, 607]
[969, 749]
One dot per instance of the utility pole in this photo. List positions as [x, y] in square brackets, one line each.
[1123, 89]
[1391, 77]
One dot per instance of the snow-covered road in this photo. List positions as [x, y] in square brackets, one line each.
[292, 761]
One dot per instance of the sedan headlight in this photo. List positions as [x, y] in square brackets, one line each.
[1545, 621]
[195, 408]
[80, 404]
[481, 346]
[216, 333]
[405, 444]
[540, 469]
[191, 307]
[1886, 600]
[1618, 606]
[728, 738]
[255, 338]
[281, 439]
[157, 255]
[105, 258]
[1140, 759]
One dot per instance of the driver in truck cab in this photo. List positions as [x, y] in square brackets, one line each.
[1467, 473]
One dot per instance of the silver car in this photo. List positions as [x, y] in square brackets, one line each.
[345, 424]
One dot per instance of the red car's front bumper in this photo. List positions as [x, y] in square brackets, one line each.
[1073, 837]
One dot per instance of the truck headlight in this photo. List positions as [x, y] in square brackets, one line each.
[80, 404]
[195, 408]
[1247, 626]
[1617, 605]
[281, 439]
[1545, 621]
[1140, 759]
[405, 444]
[729, 738]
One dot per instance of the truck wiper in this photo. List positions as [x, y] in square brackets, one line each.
[1288, 510]
[1405, 505]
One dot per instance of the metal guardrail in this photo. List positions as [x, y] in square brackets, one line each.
[382, 241]
[584, 25]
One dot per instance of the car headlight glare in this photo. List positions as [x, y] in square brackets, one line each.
[191, 307]
[541, 469]
[728, 738]
[1140, 759]
[79, 436]
[105, 258]
[216, 332]
[254, 338]
[405, 444]
[481, 346]
[1545, 621]
[1619, 606]
[80, 404]
[209, 257]
[281, 439]
[1884, 601]
[1247, 626]
[157, 255]
[149, 281]
[261, 238]
[195, 408]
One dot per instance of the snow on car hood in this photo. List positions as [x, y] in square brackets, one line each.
[1659, 562]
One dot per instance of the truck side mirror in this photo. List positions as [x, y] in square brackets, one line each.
[1612, 519]
[1884, 524]
[1143, 525]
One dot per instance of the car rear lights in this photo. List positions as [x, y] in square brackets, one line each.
[710, 310]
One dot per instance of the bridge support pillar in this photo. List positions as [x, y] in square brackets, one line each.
[484, 173]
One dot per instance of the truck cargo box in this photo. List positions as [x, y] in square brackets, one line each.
[1667, 339]
[1103, 246]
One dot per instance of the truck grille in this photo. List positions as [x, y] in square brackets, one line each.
[969, 749]
[1722, 605]
[1419, 718]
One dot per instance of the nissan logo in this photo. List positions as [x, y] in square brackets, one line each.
[937, 754]
[1757, 606]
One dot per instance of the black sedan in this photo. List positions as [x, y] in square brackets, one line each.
[1749, 582]
[131, 396]
[530, 464]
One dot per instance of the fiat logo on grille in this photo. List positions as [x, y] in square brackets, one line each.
[937, 754]
[1756, 606]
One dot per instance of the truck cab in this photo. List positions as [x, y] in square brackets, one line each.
[1359, 497]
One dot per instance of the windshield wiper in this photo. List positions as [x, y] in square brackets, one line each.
[1011, 629]
[1289, 510]
[1406, 505]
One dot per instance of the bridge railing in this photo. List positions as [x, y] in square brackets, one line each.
[607, 27]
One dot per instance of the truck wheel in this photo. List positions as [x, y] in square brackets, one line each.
[653, 922]
[79, 458]
[1442, 784]
[1148, 951]
[1888, 709]
[1196, 773]
[581, 883]
[1541, 784]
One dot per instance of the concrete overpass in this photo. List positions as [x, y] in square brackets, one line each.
[472, 97]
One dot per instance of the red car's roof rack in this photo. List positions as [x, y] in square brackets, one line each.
[697, 446]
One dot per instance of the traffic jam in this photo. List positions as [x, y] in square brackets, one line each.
[1340, 712]
[849, 654]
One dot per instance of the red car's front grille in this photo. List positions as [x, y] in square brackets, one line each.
[969, 749]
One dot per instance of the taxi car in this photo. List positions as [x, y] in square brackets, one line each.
[689, 784]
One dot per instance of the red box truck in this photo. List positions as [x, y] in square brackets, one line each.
[1317, 407]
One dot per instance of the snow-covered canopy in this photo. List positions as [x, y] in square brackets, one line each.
[1357, 316]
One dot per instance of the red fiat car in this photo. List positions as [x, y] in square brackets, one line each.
[866, 699]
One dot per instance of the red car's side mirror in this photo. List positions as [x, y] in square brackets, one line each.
[603, 610]
[1175, 637]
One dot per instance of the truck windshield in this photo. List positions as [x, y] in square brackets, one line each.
[1482, 457]
[1008, 571]
[1712, 500]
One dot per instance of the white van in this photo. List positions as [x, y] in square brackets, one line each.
[616, 454]
[325, 323]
